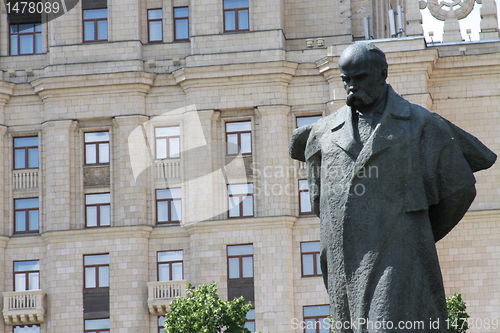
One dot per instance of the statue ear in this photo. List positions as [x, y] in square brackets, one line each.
[384, 73]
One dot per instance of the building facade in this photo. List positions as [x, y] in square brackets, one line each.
[145, 147]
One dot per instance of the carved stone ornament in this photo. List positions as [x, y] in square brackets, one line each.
[443, 9]
[96, 175]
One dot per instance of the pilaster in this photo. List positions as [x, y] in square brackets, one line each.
[414, 17]
[489, 20]
[4, 174]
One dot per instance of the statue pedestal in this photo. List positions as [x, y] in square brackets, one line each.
[451, 31]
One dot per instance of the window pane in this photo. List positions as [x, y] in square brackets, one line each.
[240, 189]
[33, 158]
[247, 267]
[170, 256]
[88, 33]
[104, 153]
[177, 271]
[181, 29]
[26, 329]
[98, 259]
[14, 28]
[176, 210]
[33, 219]
[169, 193]
[317, 310]
[26, 28]
[174, 147]
[237, 250]
[13, 45]
[181, 12]
[250, 325]
[164, 272]
[34, 281]
[104, 276]
[246, 143]
[228, 4]
[234, 268]
[318, 264]
[248, 206]
[303, 184]
[302, 121]
[91, 216]
[161, 148]
[20, 221]
[20, 282]
[161, 321]
[90, 281]
[19, 159]
[155, 33]
[307, 264]
[38, 43]
[26, 203]
[234, 206]
[95, 13]
[94, 324]
[310, 247]
[232, 144]
[38, 27]
[230, 21]
[163, 211]
[154, 14]
[26, 142]
[324, 325]
[310, 325]
[26, 42]
[305, 203]
[90, 154]
[239, 126]
[102, 30]
[96, 137]
[243, 19]
[104, 215]
[23, 266]
[167, 131]
[100, 198]
[251, 314]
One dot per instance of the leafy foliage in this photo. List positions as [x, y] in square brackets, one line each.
[456, 313]
[204, 312]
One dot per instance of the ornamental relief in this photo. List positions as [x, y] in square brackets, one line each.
[96, 175]
[446, 9]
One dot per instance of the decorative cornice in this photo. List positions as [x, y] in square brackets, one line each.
[92, 234]
[268, 222]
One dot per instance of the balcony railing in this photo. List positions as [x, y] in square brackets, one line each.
[25, 179]
[165, 169]
[161, 294]
[23, 307]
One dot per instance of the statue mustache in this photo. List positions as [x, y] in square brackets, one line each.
[358, 95]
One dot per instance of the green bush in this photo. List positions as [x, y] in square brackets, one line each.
[456, 313]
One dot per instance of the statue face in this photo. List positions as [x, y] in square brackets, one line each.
[363, 78]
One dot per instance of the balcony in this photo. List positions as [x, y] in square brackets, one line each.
[161, 294]
[23, 307]
[25, 179]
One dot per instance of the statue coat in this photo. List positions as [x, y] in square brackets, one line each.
[380, 213]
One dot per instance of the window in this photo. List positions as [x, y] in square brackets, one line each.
[26, 215]
[26, 275]
[97, 325]
[155, 28]
[161, 322]
[250, 323]
[235, 15]
[311, 265]
[240, 261]
[170, 265]
[168, 205]
[167, 142]
[25, 38]
[303, 121]
[96, 148]
[181, 23]
[96, 267]
[304, 201]
[27, 329]
[239, 137]
[240, 200]
[26, 152]
[316, 319]
[97, 210]
[95, 25]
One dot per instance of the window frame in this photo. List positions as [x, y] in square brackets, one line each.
[96, 274]
[250, 320]
[238, 135]
[27, 220]
[316, 262]
[175, 24]
[19, 34]
[316, 318]
[319, 116]
[96, 330]
[26, 153]
[170, 203]
[96, 26]
[96, 143]
[240, 262]
[240, 204]
[161, 328]
[98, 211]
[168, 153]
[35, 325]
[304, 213]
[155, 20]
[169, 263]
[26, 274]
[236, 17]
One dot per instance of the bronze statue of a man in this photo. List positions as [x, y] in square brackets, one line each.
[388, 179]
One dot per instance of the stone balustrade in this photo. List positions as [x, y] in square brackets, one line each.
[25, 179]
[161, 294]
[24, 307]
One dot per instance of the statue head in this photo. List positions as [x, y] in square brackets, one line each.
[363, 69]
